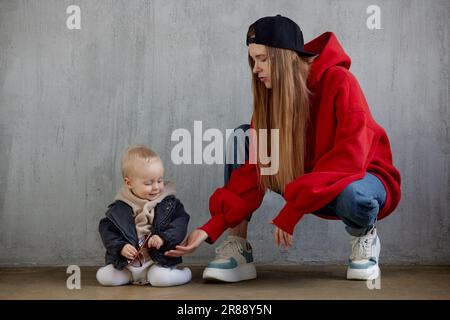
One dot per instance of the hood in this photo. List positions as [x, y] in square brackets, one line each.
[330, 53]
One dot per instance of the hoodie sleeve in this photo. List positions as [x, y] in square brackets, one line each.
[234, 202]
[344, 163]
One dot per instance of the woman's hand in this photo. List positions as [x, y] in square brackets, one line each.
[192, 242]
[282, 238]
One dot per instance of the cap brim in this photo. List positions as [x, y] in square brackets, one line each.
[307, 53]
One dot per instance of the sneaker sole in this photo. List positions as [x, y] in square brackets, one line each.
[363, 274]
[240, 273]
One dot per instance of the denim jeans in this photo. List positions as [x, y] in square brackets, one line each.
[357, 205]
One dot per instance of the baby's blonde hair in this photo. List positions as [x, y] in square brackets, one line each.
[133, 153]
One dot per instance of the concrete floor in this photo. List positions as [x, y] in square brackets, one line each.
[274, 282]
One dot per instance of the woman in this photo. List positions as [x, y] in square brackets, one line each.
[335, 161]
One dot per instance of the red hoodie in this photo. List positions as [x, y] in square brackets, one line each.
[343, 142]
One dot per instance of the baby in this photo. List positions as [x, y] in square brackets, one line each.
[144, 221]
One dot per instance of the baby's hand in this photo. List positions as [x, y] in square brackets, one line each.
[155, 241]
[128, 251]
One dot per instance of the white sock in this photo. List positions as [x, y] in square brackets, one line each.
[165, 277]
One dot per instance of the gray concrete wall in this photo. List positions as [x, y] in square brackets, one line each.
[72, 100]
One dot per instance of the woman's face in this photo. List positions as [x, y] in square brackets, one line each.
[261, 68]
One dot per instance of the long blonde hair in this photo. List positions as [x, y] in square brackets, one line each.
[284, 107]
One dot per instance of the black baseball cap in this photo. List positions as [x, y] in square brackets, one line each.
[278, 32]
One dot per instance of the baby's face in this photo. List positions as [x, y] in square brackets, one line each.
[147, 181]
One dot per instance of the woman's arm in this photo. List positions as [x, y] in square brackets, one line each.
[354, 145]
[233, 203]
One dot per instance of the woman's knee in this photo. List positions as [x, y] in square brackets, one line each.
[357, 206]
[243, 128]
[237, 150]
[237, 142]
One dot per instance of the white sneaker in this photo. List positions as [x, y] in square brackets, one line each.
[363, 263]
[233, 262]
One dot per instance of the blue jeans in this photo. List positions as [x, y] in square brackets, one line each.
[357, 205]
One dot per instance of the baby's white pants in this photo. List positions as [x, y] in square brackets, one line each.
[154, 274]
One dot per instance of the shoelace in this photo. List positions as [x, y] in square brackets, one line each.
[364, 245]
[228, 248]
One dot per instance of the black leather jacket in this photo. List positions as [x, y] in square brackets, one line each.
[117, 229]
